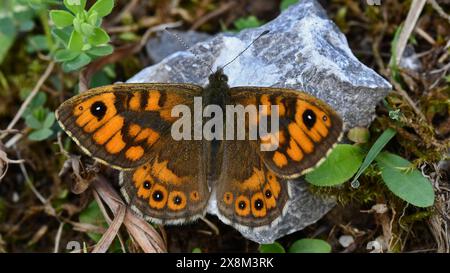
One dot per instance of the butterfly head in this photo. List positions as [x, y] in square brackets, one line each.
[218, 79]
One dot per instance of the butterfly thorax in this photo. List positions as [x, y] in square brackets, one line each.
[216, 92]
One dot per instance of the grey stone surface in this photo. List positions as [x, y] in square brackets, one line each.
[304, 50]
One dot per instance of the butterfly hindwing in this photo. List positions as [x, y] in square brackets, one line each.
[119, 124]
[308, 128]
[172, 186]
[248, 194]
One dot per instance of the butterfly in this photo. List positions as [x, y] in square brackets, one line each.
[168, 181]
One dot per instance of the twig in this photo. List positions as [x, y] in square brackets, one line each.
[29, 183]
[142, 232]
[108, 219]
[425, 35]
[439, 10]
[58, 237]
[211, 225]
[108, 237]
[211, 15]
[148, 22]
[408, 27]
[30, 97]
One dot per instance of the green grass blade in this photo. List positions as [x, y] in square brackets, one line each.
[375, 150]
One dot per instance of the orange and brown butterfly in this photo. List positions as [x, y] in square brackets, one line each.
[128, 127]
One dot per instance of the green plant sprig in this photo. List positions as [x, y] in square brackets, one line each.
[80, 33]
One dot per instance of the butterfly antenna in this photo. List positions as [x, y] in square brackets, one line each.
[256, 39]
[182, 43]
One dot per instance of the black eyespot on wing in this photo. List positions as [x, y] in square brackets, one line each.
[268, 193]
[98, 109]
[177, 200]
[158, 196]
[242, 205]
[309, 118]
[147, 185]
[259, 205]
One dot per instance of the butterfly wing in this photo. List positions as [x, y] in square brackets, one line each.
[119, 124]
[308, 128]
[172, 187]
[248, 194]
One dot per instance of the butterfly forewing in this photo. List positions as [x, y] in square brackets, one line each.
[119, 124]
[308, 128]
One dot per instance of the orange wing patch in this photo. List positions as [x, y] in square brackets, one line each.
[163, 173]
[108, 130]
[134, 153]
[279, 159]
[115, 144]
[153, 100]
[300, 137]
[134, 129]
[293, 151]
[135, 102]
[253, 183]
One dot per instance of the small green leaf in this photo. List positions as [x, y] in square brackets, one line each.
[75, 6]
[340, 166]
[102, 7]
[40, 134]
[93, 17]
[409, 185]
[76, 41]
[62, 35]
[64, 55]
[287, 3]
[310, 246]
[197, 250]
[26, 26]
[32, 122]
[376, 148]
[86, 47]
[37, 43]
[61, 18]
[49, 120]
[77, 63]
[100, 50]
[8, 34]
[98, 37]
[87, 29]
[272, 248]
[77, 24]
